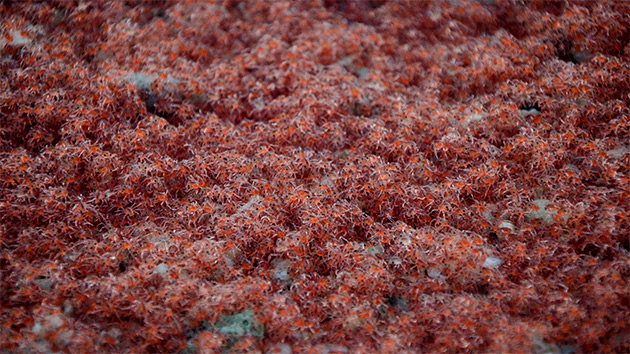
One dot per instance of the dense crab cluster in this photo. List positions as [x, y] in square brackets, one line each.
[315, 176]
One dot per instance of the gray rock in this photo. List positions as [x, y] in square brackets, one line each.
[618, 152]
[507, 225]
[161, 268]
[540, 212]
[140, 80]
[528, 112]
[280, 349]
[492, 263]
[281, 271]
[240, 324]
[17, 40]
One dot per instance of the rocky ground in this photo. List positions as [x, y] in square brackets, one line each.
[315, 176]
